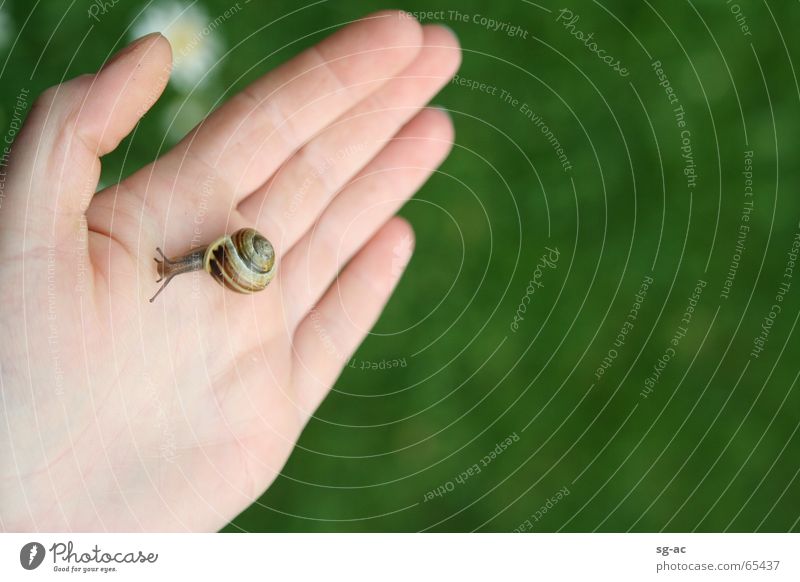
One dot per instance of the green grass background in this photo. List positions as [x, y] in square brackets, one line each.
[715, 446]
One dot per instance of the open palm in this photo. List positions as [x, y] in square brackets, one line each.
[126, 415]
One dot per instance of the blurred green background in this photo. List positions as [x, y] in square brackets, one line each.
[713, 444]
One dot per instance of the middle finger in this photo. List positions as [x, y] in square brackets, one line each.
[299, 192]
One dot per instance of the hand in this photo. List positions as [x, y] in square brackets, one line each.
[120, 414]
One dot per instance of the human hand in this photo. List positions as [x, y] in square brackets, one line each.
[123, 415]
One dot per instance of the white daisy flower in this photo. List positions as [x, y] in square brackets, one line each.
[196, 44]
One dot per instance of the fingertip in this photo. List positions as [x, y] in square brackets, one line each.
[439, 123]
[441, 35]
[124, 89]
[154, 53]
[433, 128]
[161, 46]
[395, 27]
[401, 235]
[372, 48]
[153, 43]
[400, 226]
[443, 39]
[147, 61]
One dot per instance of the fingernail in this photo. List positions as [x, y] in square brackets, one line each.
[130, 48]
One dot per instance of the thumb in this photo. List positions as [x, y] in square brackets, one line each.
[54, 163]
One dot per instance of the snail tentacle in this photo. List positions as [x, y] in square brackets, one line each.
[168, 268]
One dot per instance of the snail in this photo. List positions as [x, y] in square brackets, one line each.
[243, 261]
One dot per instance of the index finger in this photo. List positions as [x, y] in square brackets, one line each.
[247, 139]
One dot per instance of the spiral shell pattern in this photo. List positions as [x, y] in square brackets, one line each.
[243, 262]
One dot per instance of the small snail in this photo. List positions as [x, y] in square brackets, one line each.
[243, 262]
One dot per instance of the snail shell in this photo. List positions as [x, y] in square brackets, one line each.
[243, 262]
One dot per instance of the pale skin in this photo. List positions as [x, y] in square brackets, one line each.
[122, 415]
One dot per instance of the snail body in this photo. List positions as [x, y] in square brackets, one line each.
[243, 262]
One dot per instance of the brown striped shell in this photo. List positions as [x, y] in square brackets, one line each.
[243, 261]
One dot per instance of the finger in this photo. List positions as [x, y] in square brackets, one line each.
[55, 160]
[298, 193]
[246, 139]
[362, 208]
[333, 330]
